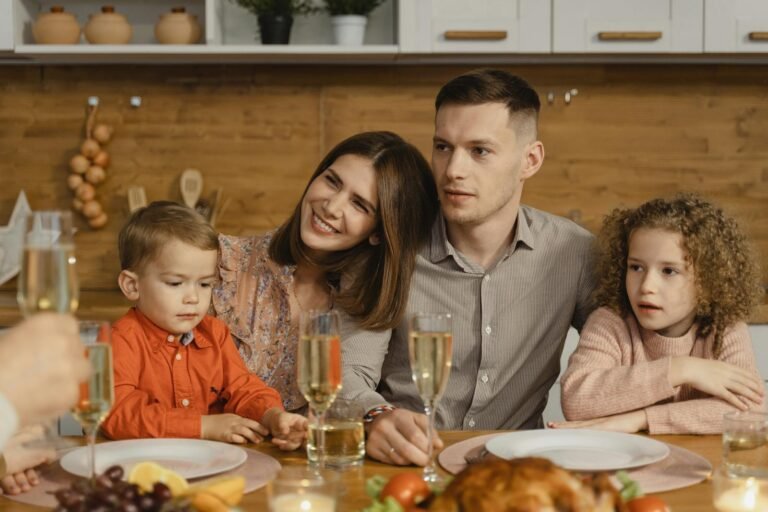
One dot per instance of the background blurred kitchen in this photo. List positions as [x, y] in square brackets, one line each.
[639, 99]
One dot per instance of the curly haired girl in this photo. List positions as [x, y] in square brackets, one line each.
[668, 350]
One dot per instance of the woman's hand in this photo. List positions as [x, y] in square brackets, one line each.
[20, 460]
[737, 386]
[288, 430]
[231, 428]
[628, 422]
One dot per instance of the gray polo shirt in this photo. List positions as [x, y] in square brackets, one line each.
[509, 326]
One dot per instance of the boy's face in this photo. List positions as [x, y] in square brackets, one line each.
[660, 282]
[174, 289]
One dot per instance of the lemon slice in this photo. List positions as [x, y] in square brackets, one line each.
[145, 474]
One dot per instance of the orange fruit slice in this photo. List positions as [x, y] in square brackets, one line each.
[145, 474]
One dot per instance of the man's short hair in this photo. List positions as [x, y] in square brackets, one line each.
[153, 226]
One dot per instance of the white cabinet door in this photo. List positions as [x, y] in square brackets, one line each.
[477, 26]
[6, 25]
[736, 26]
[627, 26]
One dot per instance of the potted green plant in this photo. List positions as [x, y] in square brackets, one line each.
[276, 17]
[349, 18]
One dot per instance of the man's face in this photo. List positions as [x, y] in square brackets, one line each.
[479, 162]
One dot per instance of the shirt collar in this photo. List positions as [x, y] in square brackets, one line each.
[158, 337]
[440, 248]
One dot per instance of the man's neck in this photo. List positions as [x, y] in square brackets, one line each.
[485, 243]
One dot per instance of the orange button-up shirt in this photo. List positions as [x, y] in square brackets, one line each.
[163, 388]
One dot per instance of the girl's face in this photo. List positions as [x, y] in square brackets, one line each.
[340, 207]
[660, 283]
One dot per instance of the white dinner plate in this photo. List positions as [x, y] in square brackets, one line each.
[580, 450]
[191, 458]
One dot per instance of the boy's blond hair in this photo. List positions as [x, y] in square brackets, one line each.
[153, 226]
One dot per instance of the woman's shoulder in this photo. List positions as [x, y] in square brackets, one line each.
[237, 252]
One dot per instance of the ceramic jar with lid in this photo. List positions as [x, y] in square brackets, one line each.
[177, 27]
[108, 27]
[56, 27]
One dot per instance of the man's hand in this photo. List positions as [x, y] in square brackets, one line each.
[399, 437]
[42, 363]
[288, 430]
[231, 428]
[628, 422]
[735, 385]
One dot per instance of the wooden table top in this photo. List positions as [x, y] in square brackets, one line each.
[697, 498]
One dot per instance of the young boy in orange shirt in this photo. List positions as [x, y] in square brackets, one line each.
[177, 370]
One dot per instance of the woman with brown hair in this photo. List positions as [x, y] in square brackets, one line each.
[350, 243]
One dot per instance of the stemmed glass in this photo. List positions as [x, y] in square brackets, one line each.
[97, 394]
[429, 348]
[48, 278]
[319, 372]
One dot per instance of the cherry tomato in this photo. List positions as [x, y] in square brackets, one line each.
[406, 488]
[647, 504]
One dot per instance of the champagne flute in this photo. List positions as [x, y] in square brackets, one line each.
[48, 277]
[429, 349]
[97, 393]
[319, 368]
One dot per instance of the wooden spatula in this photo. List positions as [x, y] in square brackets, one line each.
[137, 198]
[191, 184]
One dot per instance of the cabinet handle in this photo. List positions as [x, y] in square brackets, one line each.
[629, 36]
[758, 36]
[476, 35]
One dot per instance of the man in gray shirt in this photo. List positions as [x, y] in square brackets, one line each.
[512, 277]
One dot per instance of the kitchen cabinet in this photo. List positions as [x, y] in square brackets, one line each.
[6, 25]
[736, 26]
[628, 26]
[480, 26]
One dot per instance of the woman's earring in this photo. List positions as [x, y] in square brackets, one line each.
[374, 239]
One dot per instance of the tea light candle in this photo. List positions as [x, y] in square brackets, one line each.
[303, 502]
[746, 498]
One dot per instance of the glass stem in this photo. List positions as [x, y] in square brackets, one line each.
[91, 431]
[321, 440]
[430, 471]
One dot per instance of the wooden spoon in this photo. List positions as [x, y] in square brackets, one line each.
[191, 184]
[137, 198]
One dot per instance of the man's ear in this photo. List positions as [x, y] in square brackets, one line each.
[534, 157]
[129, 284]
[374, 239]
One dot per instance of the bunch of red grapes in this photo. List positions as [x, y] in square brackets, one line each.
[109, 493]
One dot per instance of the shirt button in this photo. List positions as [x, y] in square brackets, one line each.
[178, 357]
[487, 277]
[471, 422]
[484, 378]
[170, 338]
[487, 329]
[185, 402]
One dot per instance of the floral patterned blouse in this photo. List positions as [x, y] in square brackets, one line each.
[252, 298]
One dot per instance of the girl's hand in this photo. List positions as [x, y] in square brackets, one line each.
[231, 428]
[737, 386]
[628, 422]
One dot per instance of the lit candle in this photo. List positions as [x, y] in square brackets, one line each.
[303, 502]
[745, 498]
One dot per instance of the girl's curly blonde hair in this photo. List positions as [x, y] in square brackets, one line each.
[725, 271]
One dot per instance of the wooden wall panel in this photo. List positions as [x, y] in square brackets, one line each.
[632, 133]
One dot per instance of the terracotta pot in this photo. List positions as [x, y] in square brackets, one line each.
[56, 27]
[108, 27]
[177, 27]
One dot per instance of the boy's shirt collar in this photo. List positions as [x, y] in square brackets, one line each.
[159, 337]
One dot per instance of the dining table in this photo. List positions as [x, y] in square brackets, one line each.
[695, 498]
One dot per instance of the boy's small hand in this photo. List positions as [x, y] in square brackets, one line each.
[231, 428]
[288, 430]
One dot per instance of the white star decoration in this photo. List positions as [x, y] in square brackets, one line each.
[11, 237]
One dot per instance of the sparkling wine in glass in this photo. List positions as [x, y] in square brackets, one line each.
[97, 393]
[429, 350]
[48, 277]
[319, 368]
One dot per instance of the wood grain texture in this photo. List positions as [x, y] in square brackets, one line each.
[632, 133]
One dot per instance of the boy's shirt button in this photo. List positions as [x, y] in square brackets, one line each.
[178, 357]
[170, 338]
[185, 402]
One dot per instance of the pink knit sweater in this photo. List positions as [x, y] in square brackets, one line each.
[619, 367]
